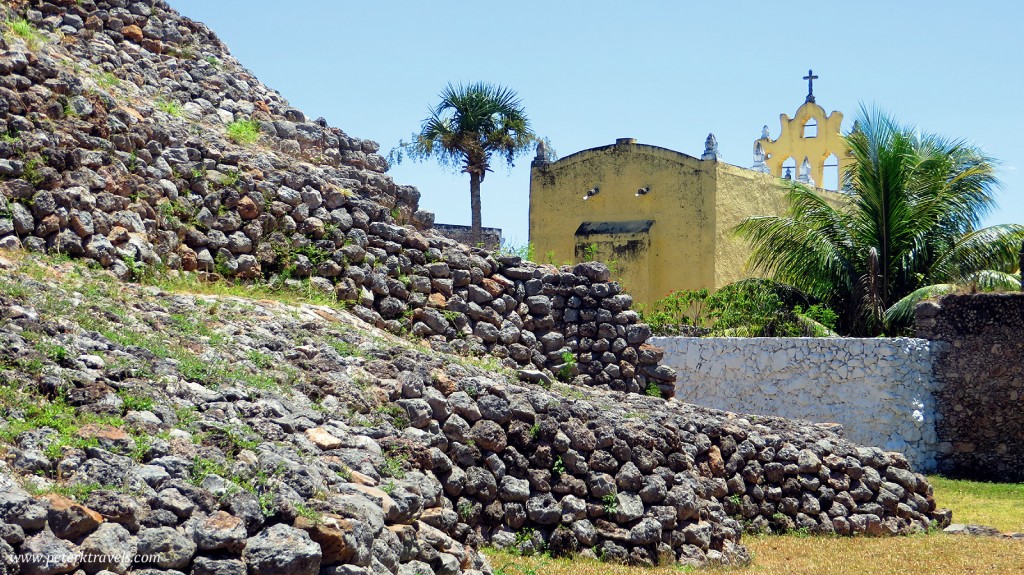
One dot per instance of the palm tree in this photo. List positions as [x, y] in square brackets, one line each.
[907, 230]
[469, 125]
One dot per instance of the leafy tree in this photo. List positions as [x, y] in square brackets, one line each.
[468, 126]
[908, 229]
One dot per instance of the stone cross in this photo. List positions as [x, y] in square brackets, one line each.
[810, 77]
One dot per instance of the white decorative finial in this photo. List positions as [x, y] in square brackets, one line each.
[759, 158]
[764, 133]
[711, 149]
[543, 156]
[805, 172]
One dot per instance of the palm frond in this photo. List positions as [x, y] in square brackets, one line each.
[815, 327]
[469, 124]
[795, 253]
[993, 280]
[992, 248]
[900, 315]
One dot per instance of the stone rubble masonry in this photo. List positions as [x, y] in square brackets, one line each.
[484, 459]
[980, 376]
[94, 166]
[124, 161]
[879, 390]
[490, 237]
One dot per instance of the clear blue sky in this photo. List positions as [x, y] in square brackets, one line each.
[666, 73]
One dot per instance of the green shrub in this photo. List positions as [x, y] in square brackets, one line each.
[526, 251]
[668, 315]
[590, 252]
[819, 313]
[568, 365]
[747, 308]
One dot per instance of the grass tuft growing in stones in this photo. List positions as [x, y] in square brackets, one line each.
[133, 402]
[346, 349]
[230, 439]
[394, 465]
[309, 513]
[169, 106]
[105, 311]
[75, 491]
[108, 80]
[259, 359]
[25, 410]
[24, 29]
[191, 283]
[244, 132]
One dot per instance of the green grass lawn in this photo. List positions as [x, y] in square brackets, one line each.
[1000, 505]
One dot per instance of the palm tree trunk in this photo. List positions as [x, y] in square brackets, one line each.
[474, 202]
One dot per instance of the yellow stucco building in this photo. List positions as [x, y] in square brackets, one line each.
[664, 220]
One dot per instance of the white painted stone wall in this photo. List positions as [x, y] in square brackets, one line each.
[880, 390]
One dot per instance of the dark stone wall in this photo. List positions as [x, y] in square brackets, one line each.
[980, 373]
[490, 238]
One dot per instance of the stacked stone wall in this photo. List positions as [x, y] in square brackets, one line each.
[641, 480]
[979, 373]
[125, 161]
[129, 164]
[490, 238]
[409, 460]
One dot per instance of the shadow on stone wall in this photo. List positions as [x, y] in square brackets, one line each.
[980, 420]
